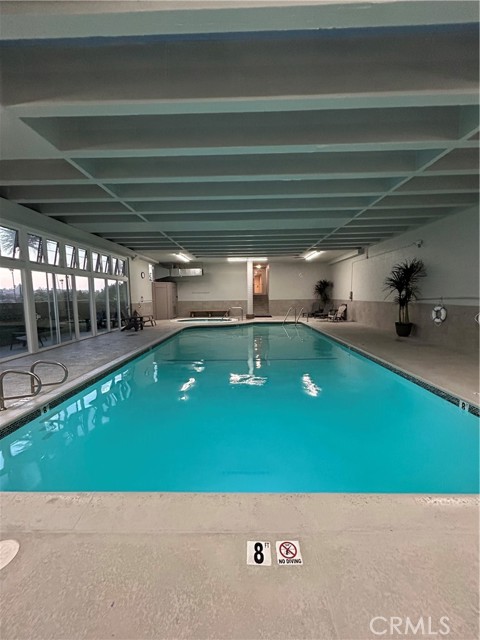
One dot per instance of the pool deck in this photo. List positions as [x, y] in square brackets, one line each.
[168, 565]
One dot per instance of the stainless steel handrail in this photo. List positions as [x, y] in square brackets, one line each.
[32, 375]
[228, 311]
[48, 384]
[286, 315]
[299, 314]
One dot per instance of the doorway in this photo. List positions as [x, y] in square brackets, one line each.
[260, 290]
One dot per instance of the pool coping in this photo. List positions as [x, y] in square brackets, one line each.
[59, 395]
[235, 513]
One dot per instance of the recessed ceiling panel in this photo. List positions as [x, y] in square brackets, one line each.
[245, 143]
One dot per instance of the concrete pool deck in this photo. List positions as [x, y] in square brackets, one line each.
[134, 566]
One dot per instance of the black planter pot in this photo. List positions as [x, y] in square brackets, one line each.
[403, 329]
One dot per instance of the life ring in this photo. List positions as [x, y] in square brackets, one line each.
[439, 314]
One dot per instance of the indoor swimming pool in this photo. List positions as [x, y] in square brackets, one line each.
[247, 408]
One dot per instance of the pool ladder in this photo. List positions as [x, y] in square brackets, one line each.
[36, 383]
[227, 313]
[297, 318]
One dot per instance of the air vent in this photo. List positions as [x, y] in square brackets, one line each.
[184, 273]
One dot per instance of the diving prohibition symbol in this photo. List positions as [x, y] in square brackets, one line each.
[288, 552]
[288, 549]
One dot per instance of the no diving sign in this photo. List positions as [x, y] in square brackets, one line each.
[259, 553]
[288, 552]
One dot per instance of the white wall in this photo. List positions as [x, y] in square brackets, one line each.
[139, 286]
[220, 281]
[449, 251]
[292, 280]
[228, 281]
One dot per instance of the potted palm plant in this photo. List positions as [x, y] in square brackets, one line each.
[321, 290]
[403, 282]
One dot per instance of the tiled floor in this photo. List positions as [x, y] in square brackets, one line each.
[136, 566]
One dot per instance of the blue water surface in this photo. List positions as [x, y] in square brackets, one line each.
[263, 408]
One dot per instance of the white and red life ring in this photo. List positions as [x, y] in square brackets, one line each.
[439, 314]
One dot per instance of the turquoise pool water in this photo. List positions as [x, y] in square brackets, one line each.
[261, 408]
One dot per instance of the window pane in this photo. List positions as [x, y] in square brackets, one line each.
[9, 243]
[123, 295]
[70, 254]
[13, 337]
[105, 264]
[113, 303]
[95, 261]
[115, 266]
[123, 267]
[150, 272]
[35, 248]
[65, 307]
[45, 308]
[83, 305]
[82, 259]
[100, 304]
[53, 254]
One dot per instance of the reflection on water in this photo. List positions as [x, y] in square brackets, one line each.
[185, 387]
[247, 378]
[212, 410]
[309, 386]
[74, 422]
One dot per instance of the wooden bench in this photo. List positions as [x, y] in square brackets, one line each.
[208, 313]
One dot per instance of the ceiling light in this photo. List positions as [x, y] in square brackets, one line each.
[312, 254]
[236, 259]
[182, 257]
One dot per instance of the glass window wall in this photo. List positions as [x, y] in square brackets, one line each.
[66, 306]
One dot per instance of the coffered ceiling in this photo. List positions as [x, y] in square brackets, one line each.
[240, 128]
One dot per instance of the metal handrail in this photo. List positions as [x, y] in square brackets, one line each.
[227, 313]
[286, 315]
[35, 392]
[299, 314]
[48, 384]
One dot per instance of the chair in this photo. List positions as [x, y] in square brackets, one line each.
[315, 312]
[134, 322]
[336, 315]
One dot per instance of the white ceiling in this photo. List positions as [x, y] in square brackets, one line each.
[240, 128]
